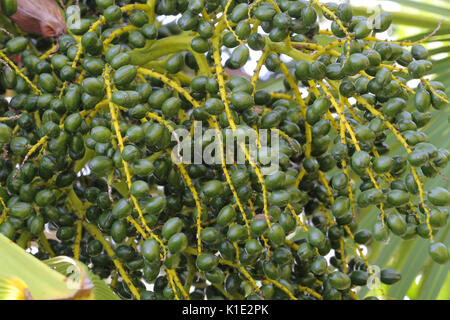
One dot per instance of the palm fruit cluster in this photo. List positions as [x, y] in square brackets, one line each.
[87, 134]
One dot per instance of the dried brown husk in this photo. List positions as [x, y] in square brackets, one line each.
[40, 17]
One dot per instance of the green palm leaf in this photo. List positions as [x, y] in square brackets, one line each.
[425, 7]
[22, 276]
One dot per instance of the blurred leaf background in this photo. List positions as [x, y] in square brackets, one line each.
[412, 20]
[421, 278]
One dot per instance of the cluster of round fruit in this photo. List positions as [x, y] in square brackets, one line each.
[87, 138]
